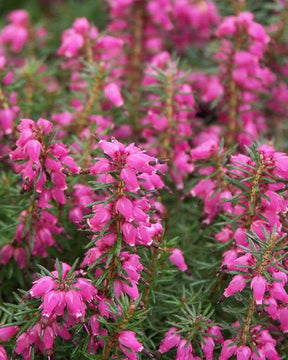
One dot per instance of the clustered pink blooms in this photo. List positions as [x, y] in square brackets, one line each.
[9, 109]
[243, 43]
[181, 22]
[262, 340]
[82, 196]
[260, 214]
[126, 215]
[174, 135]
[59, 293]
[83, 39]
[119, 207]
[129, 344]
[40, 160]
[279, 88]
[44, 167]
[206, 187]
[16, 34]
[121, 214]
[82, 43]
[185, 349]
[6, 333]
[37, 239]
[19, 32]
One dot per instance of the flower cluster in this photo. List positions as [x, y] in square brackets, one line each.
[16, 34]
[127, 214]
[174, 125]
[40, 160]
[257, 182]
[62, 291]
[184, 347]
[183, 22]
[161, 175]
[243, 43]
[44, 166]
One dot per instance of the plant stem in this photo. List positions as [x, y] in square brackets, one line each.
[136, 54]
[248, 322]
[88, 51]
[113, 265]
[151, 276]
[233, 101]
[95, 94]
[220, 173]
[169, 114]
[3, 101]
[238, 6]
[113, 339]
[259, 271]
[29, 94]
[254, 194]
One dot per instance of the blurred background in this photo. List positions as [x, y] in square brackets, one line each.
[60, 12]
[65, 11]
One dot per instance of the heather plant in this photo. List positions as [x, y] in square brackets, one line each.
[144, 172]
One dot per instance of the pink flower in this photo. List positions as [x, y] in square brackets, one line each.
[204, 189]
[19, 17]
[129, 344]
[42, 286]
[184, 350]
[271, 307]
[130, 178]
[81, 25]
[278, 292]
[177, 259]
[15, 35]
[2, 62]
[112, 93]
[87, 290]
[48, 337]
[205, 150]
[109, 46]
[112, 148]
[50, 301]
[237, 284]
[22, 343]
[123, 287]
[33, 149]
[224, 235]
[208, 346]
[215, 330]
[140, 162]
[227, 27]
[72, 42]
[7, 117]
[7, 332]
[257, 32]
[243, 353]
[258, 285]
[130, 233]
[7, 80]
[125, 207]
[102, 165]
[71, 294]
[270, 351]
[283, 318]
[171, 339]
[6, 253]
[3, 354]
[20, 257]
[94, 324]
[100, 219]
[75, 304]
